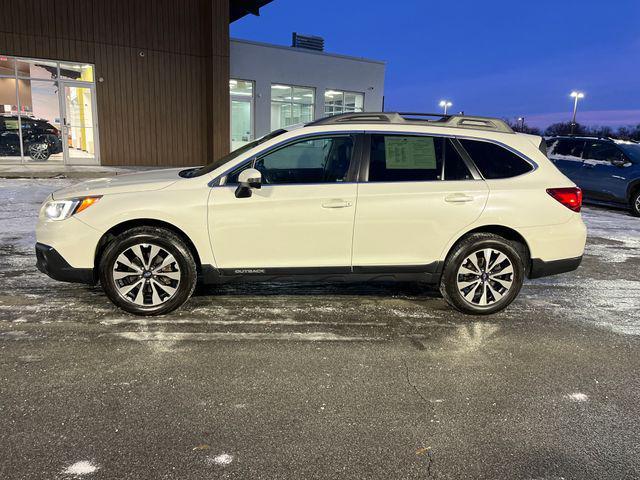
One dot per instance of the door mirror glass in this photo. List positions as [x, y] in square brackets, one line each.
[619, 161]
[248, 179]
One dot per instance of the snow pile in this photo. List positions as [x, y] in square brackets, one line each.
[223, 460]
[83, 467]
[577, 397]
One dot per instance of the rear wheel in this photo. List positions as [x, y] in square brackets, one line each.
[148, 271]
[39, 151]
[483, 274]
[634, 204]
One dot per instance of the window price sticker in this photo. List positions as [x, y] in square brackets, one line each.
[415, 153]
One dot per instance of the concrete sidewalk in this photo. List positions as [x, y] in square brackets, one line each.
[65, 171]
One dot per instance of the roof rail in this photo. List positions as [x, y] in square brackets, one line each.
[410, 118]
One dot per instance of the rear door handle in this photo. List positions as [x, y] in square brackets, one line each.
[458, 198]
[336, 204]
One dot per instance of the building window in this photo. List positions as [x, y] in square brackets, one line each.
[241, 92]
[48, 112]
[336, 101]
[291, 105]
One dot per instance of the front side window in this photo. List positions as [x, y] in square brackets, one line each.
[317, 160]
[603, 151]
[336, 101]
[291, 105]
[397, 158]
[494, 161]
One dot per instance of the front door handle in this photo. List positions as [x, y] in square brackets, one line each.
[458, 198]
[336, 203]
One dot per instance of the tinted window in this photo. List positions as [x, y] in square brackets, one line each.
[398, 158]
[568, 147]
[454, 166]
[494, 161]
[603, 151]
[318, 160]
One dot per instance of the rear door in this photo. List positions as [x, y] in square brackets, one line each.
[566, 154]
[600, 178]
[415, 194]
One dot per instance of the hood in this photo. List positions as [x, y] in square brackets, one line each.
[130, 182]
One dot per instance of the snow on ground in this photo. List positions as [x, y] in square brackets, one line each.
[604, 292]
[83, 467]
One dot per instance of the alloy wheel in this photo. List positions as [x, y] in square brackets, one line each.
[39, 151]
[485, 277]
[146, 275]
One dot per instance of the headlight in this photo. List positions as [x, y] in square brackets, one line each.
[61, 209]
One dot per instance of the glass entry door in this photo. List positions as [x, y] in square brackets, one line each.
[79, 128]
[241, 123]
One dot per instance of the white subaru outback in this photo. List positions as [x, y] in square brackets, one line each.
[461, 202]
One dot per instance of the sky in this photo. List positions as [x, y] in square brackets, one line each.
[493, 57]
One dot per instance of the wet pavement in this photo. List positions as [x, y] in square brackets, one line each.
[320, 381]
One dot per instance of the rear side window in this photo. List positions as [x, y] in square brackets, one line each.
[568, 147]
[495, 161]
[399, 158]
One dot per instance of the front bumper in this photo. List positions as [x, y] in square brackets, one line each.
[540, 268]
[49, 261]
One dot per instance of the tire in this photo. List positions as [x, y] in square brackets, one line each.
[39, 152]
[483, 293]
[634, 203]
[148, 271]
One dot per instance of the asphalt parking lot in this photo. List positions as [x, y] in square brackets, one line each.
[320, 381]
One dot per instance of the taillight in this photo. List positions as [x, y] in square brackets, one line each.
[569, 197]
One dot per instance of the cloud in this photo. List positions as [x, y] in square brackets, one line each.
[611, 118]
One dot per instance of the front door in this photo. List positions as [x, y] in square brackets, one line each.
[79, 128]
[417, 195]
[301, 218]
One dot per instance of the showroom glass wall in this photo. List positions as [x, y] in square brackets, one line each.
[336, 101]
[47, 112]
[291, 105]
[241, 93]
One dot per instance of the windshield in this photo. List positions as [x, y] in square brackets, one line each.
[632, 150]
[235, 154]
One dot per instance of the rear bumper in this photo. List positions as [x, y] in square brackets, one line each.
[50, 262]
[540, 268]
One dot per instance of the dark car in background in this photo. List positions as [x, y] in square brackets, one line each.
[607, 170]
[40, 139]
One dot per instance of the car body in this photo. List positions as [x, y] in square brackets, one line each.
[607, 170]
[40, 139]
[350, 197]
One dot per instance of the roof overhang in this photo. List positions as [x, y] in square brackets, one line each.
[240, 8]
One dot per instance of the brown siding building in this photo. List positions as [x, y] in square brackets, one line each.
[122, 82]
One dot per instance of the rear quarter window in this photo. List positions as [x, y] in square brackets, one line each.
[494, 161]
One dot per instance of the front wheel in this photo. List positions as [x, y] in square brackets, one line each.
[634, 204]
[483, 274]
[148, 271]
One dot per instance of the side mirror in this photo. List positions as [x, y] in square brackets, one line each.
[248, 179]
[619, 162]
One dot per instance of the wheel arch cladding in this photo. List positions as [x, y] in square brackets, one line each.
[504, 232]
[143, 222]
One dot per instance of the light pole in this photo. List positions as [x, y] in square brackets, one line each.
[576, 96]
[445, 104]
[521, 120]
